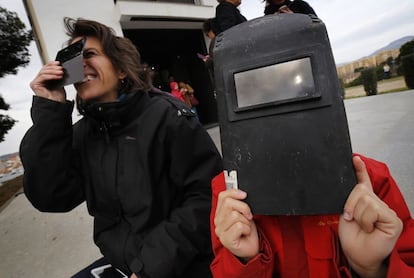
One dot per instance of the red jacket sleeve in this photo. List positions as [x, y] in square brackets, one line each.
[401, 263]
[225, 264]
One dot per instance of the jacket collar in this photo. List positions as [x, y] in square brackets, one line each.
[110, 117]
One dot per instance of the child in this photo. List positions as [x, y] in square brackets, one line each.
[374, 237]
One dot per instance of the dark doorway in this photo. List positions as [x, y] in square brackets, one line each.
[173, 53]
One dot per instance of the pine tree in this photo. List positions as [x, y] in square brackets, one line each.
[14, 53]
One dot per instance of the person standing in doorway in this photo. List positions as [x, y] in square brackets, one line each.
[210, 30]
[228, 15]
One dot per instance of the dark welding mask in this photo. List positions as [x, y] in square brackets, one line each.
[283, 127]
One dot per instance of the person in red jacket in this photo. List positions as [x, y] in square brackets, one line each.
[374, 237]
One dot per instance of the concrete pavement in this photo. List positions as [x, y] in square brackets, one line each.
[41, 245]
[37, 245]
[382, 127]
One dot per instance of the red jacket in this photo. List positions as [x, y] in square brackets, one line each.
[314, 249]
[175, 91]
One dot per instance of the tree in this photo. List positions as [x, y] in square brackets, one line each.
[14, 42]
[6, 122]
[406, 58]
[369, 80]
[14, 53]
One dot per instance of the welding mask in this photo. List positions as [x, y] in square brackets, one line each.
[283, 127]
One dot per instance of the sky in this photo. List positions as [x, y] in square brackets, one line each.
[355, 30]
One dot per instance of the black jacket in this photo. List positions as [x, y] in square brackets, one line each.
[227, 15]
[296, 6]
[144, 167]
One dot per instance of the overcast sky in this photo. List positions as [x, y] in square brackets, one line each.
[355, 30]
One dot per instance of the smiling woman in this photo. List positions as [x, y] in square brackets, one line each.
[124, 158]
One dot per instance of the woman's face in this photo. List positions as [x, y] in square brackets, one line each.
[101, 78]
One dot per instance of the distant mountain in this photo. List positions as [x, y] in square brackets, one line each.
[393, 45]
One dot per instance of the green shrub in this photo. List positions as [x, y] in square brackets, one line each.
[356, 82]
[407, 63]
[369, 80]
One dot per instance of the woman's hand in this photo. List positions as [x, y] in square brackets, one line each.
[235, 226]
[49, 72]
[285, 10]
[368, 229]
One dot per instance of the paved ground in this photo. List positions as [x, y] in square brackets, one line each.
[382, 127]
[37, 245]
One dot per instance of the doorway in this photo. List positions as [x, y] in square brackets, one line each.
[173, 54]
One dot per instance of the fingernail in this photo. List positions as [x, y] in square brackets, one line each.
[241, 193]
[347, 216]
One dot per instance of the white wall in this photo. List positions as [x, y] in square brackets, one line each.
[46, 17]
[129, 9]
[47, 20]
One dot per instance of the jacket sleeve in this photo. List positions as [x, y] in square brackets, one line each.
[307, 9]
[50, 180]
[401, 262]
[225, 17]
[225, 264]
[174, 245]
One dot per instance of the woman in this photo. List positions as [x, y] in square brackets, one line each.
[210, 30]
[227, 15]
[150, 202]
[288, 6]
[189, 97]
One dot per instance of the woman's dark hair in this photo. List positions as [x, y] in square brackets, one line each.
[121, 51]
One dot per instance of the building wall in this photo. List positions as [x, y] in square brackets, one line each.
[46, 17]
[130, 9]
[347, 71]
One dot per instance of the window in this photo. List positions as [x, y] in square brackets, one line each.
[286, 81]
